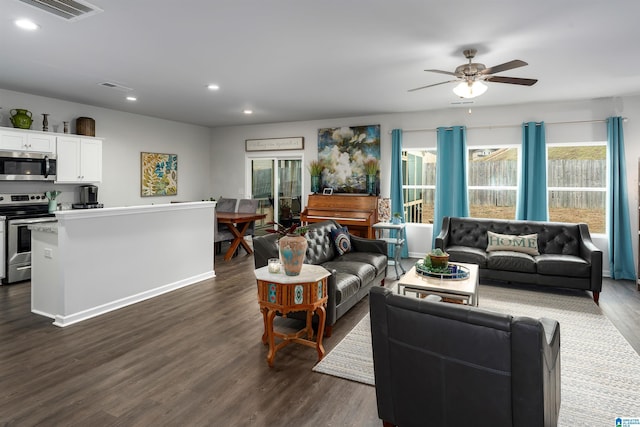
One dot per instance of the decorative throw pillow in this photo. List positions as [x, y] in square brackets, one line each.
[341, 240]
[506, 242]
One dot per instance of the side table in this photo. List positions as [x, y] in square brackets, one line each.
[279, 293]
[397, 242]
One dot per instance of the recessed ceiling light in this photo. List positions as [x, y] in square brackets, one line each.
[131, 98]
[26, 24]
[247, 112]
[213, 87]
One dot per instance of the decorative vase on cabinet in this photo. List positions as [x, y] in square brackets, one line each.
[21, 118]
[315, 183]
[371, 185]
[293, 249]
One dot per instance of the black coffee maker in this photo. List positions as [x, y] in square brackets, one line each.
[88, 198]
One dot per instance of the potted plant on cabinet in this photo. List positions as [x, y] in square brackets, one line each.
[371, 171]
[397, 218]
[292, 246]
[315, 169]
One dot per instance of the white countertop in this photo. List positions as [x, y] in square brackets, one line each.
[128, 210]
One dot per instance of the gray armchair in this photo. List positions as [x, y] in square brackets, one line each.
[441, 364]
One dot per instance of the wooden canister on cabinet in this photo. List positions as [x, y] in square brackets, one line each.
[85, 126]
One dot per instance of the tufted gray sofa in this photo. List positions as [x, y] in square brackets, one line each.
[352, 274]
[568, 258]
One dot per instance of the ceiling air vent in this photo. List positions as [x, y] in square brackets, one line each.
[70, 10]
[116, 86]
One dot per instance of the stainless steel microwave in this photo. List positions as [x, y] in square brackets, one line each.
[27, 166]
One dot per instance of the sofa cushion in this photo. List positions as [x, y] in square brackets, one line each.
[341, 240]
[511, 261]
[365, 272]
[379, 261]
[321, 248]
[561, 265]
[468, 254]
[505, 242]
[347, 285]
[561, 240]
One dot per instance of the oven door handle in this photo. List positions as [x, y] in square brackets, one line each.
[30, 221]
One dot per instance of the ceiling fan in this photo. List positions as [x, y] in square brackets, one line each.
[472, 74]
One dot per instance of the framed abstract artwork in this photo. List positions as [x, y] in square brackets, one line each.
[344, 152]
[159, 174]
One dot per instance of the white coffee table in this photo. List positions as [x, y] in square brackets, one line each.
[465, 290]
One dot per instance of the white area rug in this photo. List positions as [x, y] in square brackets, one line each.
[600, 371]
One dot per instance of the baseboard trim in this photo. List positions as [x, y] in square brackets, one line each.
[71, 319]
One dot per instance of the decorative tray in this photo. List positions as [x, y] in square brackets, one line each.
[452, 272]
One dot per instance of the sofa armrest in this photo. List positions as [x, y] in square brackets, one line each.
[442, 239]
[360, 244]
[381, 354]
[331, 301]
[535, 355]
[593, 255]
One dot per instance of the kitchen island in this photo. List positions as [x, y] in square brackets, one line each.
[93, 261]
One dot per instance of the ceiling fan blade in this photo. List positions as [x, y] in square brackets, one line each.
[449, 73]
[516, 63]
[436, 84]
[511, 80]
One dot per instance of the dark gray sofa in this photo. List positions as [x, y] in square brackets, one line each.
[568, 258]
[352, 274]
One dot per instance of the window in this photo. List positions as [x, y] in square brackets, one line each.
[493, 182]
[419, 185]
[577, 183]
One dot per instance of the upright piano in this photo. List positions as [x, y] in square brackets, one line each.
[356, 212]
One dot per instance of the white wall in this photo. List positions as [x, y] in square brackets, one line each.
[228, 142]
[211, 162]
[125, 137]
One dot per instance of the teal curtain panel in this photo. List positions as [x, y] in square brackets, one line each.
[452, 198]
[397, 198]
[621, 263]
[532, 191]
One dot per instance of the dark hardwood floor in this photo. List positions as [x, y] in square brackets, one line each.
[192, 357]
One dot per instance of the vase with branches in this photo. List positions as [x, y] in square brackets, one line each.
[315, 170]
[371, 168]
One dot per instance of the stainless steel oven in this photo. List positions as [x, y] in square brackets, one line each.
[20, 211]
[19, 248]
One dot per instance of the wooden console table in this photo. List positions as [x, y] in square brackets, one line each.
[279, 293]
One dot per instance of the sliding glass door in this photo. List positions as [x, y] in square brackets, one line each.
[277, 183]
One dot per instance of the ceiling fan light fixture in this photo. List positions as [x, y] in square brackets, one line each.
[470, 89]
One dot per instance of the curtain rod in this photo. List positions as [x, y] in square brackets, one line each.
[512, 126]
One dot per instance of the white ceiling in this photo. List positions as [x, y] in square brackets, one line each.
[290, 60]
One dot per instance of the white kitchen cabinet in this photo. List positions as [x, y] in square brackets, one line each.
[24, 140]
[79, 159]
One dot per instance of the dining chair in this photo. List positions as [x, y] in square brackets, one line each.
[222, 233]
[249, 206]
